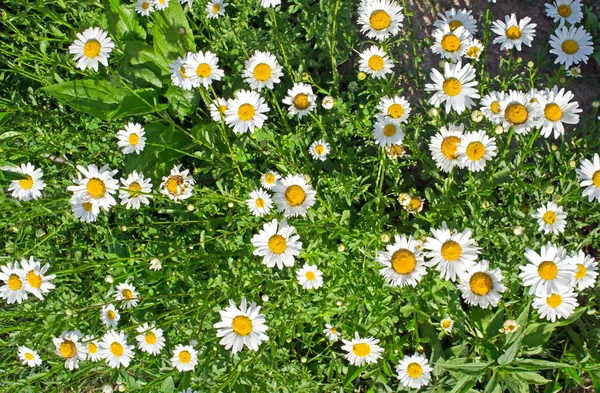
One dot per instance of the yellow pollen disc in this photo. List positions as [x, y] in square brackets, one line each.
[203, 70]
[376, 62]
[333, 330]
[451, 250]
[564, 10]
[495, 107]
[415, 203]
[96, 188]
[222, 108]
[14, 282]
[26, 183]
[185, 357]
[581, 271]
[216, 8]
[396, 150]
[150, 338]
[449, 147]
[596, 178]
[269, 178]
[161, 1]
[554, 300]
[570, 47]
[174, 185]
[145, 5]
[134, 139]
[414, 370]
[575, 71]
[246, 112]
[473, 51]
[127, 294]
[445, 324]
[91, 48]
[396, 111]
[34, 279]
[319, 149]
[110, 314]
[513, 33]
[481, 283]
[262, 72]
[301, 101]
[475, 151]
[361, 349]
[403, 261]
[549, 217]
[182, 72]
[452, 87]
[260, 203]
[380, 20]
[92, 348]
[241, 325]
[510, 327]
[454, 25]
[277, 244]
[389, 130]
[310, 276]
[295, 195]
[116, 349]
[29, 356]
[553, 112]
[516, 114]
[134, 189]
[87, 206]
[450, 43]
[547, 270]
[67, 349]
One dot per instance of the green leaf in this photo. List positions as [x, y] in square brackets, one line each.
[182, 102]
[514, 385]
[122, 21]
[172, 34]
[4, 116]
[572, 318]
[515, 341]
[139, 52]
[142, 102]
[167, 385]
[531, 378]
[352, 374]
[464, 384]
[493, 384]
[474, 369]
[537, 334]
[539, 364]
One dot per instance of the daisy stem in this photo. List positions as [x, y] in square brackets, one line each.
[486, 35]
[285, 59]
[237, 37]
[334, 70]
[413, 40]
[508, 140]
[283, 117]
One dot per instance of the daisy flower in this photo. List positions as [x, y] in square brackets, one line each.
[443, 146]
[310, 277]
[69, 347]
[161, 4]
[574, 72]
[14, 288]
[246, 112]
[217, 109]
[395, 151]
[113, 348]
[185, 358]
[482, 286]
[387, 132]
[362, 350]
[572, 45]
[402, 262]
[447, 324]
[510, 326]
[144, 7]
[551, 218]
[556, 305]
[331, 332]
[415, 204]
[91, 347]
[269, 179]
[450, 44]
[301, 100]
[179, 185]
[475, 149]
[589, 177]
[380, 19]
[293, 195]
[451, 252]
[259, 203]
[547, 272]
[109, 316]
[29, 356]
[137, 190]
[394, 108]
[319, 149]
[84, 209]
[97, 185]
[241, 327]
[587, 269]
[36, 282]
[491, 106]
[127, 293]
[520, 112]
[375, 62]
[455, 87]
[202, 69]
[559, 109]
[155, 264]
[474, 49]
[30, 187]
[512, 33]
[151, 340]
[132, 139]
[328, 102]
[564, 11]
[91, 47]
[262, 70]
[455, 19]
[270, 3]
[215, 8]
[277, 244]
[179, 77]
[414, 371]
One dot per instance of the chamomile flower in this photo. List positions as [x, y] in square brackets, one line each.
[259, 203]
[241, 327]
[331, 331]
[29, 357]
[362, 350]
[91, 347]
[394, 108]
[551, 218]
[84, 209]
[109, 316]
[144, 7]
[414, 371]
[179, 185]
[375, 62]
[270, 3]
[185, 358]
[491, 106]
[574, 72]
[443, 146]
[14, 288]
[301, 100]
[151, 339]
[558, 304]
[447, 324]
[137, 190]
[387, 132]
[113, 348]
[269, 179]
[587, 269]
[202, 69]
[36, 282]
[475, 149]
[246, 112]
[126, 292]
[310, 277]
[91, 47]
[457, 18]
[69, 347]
[217, 109]
[572, 45]
[547, 272]
[450, 44]
[510, 326]
[564, 11]
[402, 262]
[179, 77]
[96, 186]
[474, 49]
[161, 5]
[451, 252]
[380, 19]
[520, 112]
[482, 286]
[559, 109]
[155, 264]
[132, 138]
[456, 87]
[277, 244]
[319, 150]
[293, 195]
[395, 151]
[262, 70]
[415, 205]
[589, 177]
[512, 33]
[215, 8]
[30, 187]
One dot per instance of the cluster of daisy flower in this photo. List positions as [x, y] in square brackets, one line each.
[25, 277]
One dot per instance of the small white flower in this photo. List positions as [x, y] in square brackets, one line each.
[362, 350]
[310, 277]
[151, 339]
[241, 327]
[319, 150]
[29, 357]
[259, 203]
[215, 8]
[551, 218]
[109, 316]
[185, 358]
[132, 138]
[113, 348]
[30, 187]
[332, 332]
[91, 47]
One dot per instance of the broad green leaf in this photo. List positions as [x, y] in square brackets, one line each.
[515, 342]
[139, 52]
[531, 378]
[352, 374]
[141, 76]
[122, 21]
[464, 384]
[172, 34]
[142, 102]
[538, 334]
[493, 384]
[4, 116]
[513, 384]
[539, 364]
[181, 101]
[167, 385]
[474, 369]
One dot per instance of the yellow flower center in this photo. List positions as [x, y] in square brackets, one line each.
[127, 294]
[92, 348]
[246, 112]
[26, 183]
[96, 188]
[222, 108]
[145, 5]
[581, 271]
[110, 314]
[449, 147]
[361, 349]
[570, 47]
[451, 250]
[415, 203]
[277, 244]
[389, 130]
[116, 349]
[513, 33]
[310, 275]
[475, 151]
[87, 206]
[91, 48]
[596, 178]
[34, 279]
[547, 270]
[481, 283]
[376, 62]
[452, 87]
[396, 150]
[134, 139]
[414, 370]
[446, 323]
[301, 101]
[380, 20]
[134, 189]
[549, 217]
[150, 338]
[182, 72]
[295, 195]
[67, 349]
[473, 51]
[262, 72]
[269, 178]
[319, 149]
[516, 114]
[203, 70]
[14, 282]
[554, 300]
[396, 111]
[241, 325]
[454, 25]
[495, 107]
[333, 330]
[450, 43]
[174, 185]
[29, 356]
[575, 71]
[564, 10]
[260, 203]
[553, 112]
[185, 357]
[403, 261]
[216, 8]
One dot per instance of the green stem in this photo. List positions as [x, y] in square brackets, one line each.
[285, 59]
